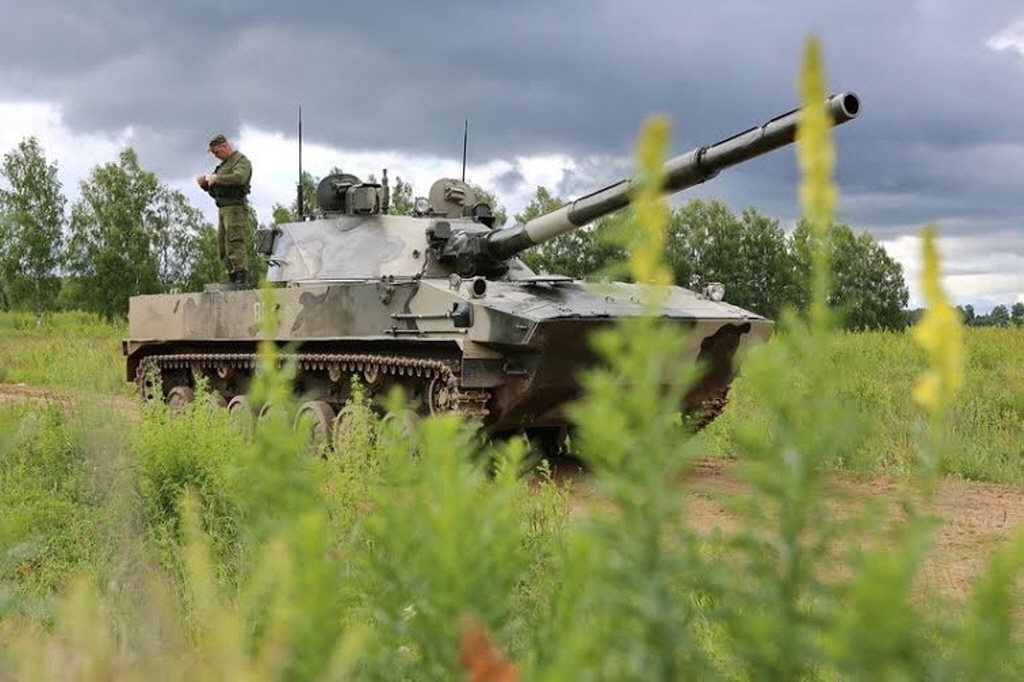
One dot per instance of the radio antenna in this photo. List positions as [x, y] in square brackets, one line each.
[298, 202]
[465, 140]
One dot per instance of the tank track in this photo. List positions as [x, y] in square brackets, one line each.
[710, 409]
[706, 411]
[440, 375]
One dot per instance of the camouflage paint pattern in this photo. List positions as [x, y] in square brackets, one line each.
[440, 303]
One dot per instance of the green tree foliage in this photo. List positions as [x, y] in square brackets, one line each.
[767, 273]
[543, 201]
[287, 214]
[749, 254]
[762, 269]
[207, 264]
[110, 249]
[131, 235]
[1000, 316]
[703, 244]
[176, 228]
[401, 197]
[31, 228]
[868, 284]
[550, 256]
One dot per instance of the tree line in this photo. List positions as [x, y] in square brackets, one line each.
[128, 234]
[999, 316]
[763, 268]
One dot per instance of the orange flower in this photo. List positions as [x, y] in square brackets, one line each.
[481, 659]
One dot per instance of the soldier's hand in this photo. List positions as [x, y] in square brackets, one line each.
[211, 178]
[201, 181]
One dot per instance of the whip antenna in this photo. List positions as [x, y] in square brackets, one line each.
[465, 140]
[298, 202]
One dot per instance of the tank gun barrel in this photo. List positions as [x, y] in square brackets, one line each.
[681, 172]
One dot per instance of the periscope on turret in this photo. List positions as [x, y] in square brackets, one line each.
[437, 302]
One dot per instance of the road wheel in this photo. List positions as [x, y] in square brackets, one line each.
[241, 413]
[178, 397]
[314, 419]
[354, 428]
[216, 399]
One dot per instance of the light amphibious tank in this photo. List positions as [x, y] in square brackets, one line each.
[438, 302]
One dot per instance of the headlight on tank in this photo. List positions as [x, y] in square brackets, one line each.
[714, 291]
[421, 206]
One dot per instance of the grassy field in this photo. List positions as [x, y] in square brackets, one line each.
[872, 374]
[137, 545]
[69, 351]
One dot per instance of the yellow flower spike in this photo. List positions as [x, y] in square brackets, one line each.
[940, 333]
[646, 261]
[815, 153]
[816, 158]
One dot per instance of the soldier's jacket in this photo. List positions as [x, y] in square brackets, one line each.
[233, 175]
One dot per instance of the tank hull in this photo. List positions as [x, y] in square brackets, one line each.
[507, 352]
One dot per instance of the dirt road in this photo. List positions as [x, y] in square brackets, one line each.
[9, 392]
[975, 518]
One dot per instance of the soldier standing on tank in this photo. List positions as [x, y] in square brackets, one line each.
[229, 187]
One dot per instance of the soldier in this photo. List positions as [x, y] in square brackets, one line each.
[229, 187]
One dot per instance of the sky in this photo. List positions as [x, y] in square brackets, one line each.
[555, 94]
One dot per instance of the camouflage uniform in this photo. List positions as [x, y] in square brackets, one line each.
[234, 224]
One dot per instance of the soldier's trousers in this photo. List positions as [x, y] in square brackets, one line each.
[234, 226]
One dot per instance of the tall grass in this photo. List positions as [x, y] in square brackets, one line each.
[75, 351]
[214, 553]
[873, 375]
[47, 506]
[874, 372]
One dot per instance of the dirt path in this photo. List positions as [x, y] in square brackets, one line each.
[15, 392]
[21, 392]
[975, 518]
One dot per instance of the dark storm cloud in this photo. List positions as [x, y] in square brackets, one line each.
[941, 133]
[510, 181]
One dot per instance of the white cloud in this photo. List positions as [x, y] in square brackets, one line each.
[1011, 39]
[972, 272]
[274, 156]
[74, 153]
[976, 273]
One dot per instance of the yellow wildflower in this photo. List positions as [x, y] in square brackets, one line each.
[646, 261]
[940, 333]
[816, 159]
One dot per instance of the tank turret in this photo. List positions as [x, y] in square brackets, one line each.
[437, 302]
[451, 231]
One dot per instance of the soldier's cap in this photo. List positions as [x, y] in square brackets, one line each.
[216, 140]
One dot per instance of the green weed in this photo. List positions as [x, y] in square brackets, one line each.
[73, 351]
[48, 512]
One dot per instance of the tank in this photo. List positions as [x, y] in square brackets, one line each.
[438, 303]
